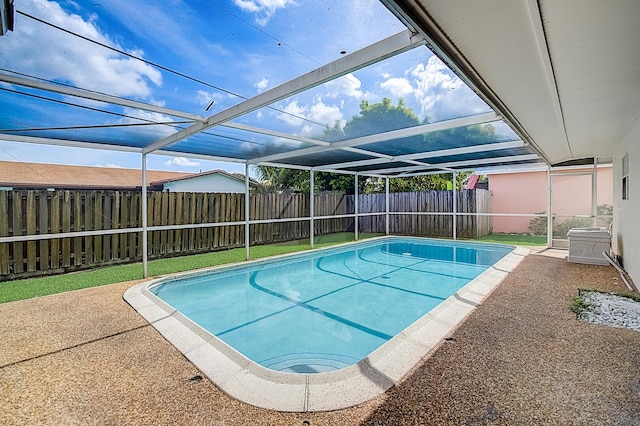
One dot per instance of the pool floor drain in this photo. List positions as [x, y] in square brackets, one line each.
[195, 379]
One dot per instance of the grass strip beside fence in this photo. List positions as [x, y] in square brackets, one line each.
[42, 286]
[33, 287]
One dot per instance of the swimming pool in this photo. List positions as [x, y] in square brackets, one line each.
[321, 317]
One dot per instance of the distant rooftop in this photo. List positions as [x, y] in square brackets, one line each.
[20, 175]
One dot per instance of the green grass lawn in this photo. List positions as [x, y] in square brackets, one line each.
[33, 287]
[41, 286]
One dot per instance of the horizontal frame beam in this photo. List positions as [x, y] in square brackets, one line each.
[96, 96]
[391, 46]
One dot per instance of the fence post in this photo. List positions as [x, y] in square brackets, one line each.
[455, 206]
[144, 216]
[311, 208]
[549, 207]
[356, 210]
[246, 210]
[386, 203]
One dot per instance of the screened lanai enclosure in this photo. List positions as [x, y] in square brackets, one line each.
[352, 88]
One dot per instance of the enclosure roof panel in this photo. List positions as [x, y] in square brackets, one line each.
[325, 85]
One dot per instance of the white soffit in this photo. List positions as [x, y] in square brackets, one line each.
[500, 41]
[568, 71]
[595, 50]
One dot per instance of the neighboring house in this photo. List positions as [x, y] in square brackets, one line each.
[526, 193]
[20, 175]
[211, 181]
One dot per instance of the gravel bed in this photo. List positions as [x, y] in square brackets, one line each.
[611, 310]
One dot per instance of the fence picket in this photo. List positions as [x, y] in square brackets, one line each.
[18, 255]
[42, 212]
[4, 232]
[31, 230]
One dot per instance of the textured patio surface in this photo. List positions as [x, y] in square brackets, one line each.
[521, 358]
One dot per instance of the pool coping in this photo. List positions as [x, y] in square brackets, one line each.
[254, 384]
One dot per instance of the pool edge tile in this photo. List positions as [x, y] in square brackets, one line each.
[346, 388]
[256, 385]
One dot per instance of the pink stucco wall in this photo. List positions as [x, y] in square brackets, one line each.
[527, 193]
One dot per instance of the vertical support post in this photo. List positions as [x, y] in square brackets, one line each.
[311, 207]
[594, 192]
[144, 218]
[455, 206]
[549, 207]
[386, 202]
[246, 211]
[356, 210]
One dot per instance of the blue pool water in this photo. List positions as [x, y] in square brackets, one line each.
[328, 309]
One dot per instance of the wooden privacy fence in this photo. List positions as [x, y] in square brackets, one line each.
[25, 213]
[438, 203]
[111, 213]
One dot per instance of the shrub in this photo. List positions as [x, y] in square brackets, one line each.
[538, 225]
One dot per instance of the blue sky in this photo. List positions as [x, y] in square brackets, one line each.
[236, 47]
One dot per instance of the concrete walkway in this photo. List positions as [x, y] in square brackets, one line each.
[85, 357]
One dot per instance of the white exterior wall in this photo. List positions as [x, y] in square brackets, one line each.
[626, 213]
[206, 183]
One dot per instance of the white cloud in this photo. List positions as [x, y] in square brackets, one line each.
[205, 98]
[293, 114]
[319, 112]
[348, 85]
[398, 87]
[441, 94]
[325, 114]
[136, 116]
[262, 84]
[308, 130]
[55, 55]
[182, 162]
[263, 9]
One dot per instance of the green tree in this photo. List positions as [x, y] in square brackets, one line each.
[379, 118]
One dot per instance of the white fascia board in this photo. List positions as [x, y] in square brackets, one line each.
[391, 46]
[535, 17]
[95, 96]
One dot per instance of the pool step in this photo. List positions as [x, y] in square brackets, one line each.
[309, 362]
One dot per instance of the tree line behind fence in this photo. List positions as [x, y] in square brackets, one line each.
[53, 212]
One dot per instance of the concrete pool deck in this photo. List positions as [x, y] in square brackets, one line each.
[249, 382]
[521, 357]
